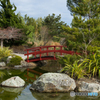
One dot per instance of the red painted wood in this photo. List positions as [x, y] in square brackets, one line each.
[47, 50]
[27, 56]
[35, 53]
[40, 53]
[40, 50]
[61, 50]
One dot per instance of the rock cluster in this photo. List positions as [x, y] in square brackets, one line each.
[60, 82]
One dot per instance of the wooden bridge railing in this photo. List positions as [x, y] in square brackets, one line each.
[40, 50]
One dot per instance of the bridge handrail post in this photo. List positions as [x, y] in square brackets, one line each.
[40, 53]
[54, 51]
[27, 56]
[60, 50]
[35, 53]
[47, 50]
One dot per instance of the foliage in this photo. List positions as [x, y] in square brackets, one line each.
[68, 59]
[15, 61]
[94, 64]
[85, 28]
[54, 25]
[7, 15]
[5, 52]
[1, 74]
[3, 59]
[29, 31]
[32, 28]
[87, 67]
[76, 70]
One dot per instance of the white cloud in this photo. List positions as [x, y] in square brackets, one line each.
[41, 8]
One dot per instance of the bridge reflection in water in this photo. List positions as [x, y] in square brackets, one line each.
[32, 75]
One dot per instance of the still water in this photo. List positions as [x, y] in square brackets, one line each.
[24, 93]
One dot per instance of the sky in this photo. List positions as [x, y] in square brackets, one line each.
[42, 8]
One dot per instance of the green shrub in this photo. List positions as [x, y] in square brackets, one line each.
[89, 67]
[5, 52]
[15, 61]
[76, 70]
[68, 59]
[1, 74]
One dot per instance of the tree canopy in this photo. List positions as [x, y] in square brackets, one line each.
[85, 26]
[7, 14]
[54, 25]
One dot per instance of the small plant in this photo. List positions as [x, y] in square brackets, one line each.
[76, 70]
[15, 61]
[68, 59]
[5, 52]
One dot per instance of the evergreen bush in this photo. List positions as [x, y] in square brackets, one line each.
[5, 52]
[16, 60]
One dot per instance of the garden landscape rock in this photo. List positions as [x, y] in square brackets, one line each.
[15, 81]
[2, 64]
[8, 59]
[88, 86]
[30, 64]
[53, 82]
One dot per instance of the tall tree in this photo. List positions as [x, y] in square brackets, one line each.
[7, 14]
[32, 27]
[86, 21]
[54, 25]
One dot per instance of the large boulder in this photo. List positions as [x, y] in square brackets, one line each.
[53, 82]
[15, 81]
[2, 64]
[88, 85]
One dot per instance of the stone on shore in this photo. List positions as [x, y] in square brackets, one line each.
[8, 59]
[53, 82]
[30, 64]
[2, 64]
[88, 86]
[15, 81]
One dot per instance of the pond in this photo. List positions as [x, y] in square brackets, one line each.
[24, 93]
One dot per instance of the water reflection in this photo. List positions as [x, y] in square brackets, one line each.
[14, 90]
[32, 75]
[52, 66]
[61, 96]
[25, 94]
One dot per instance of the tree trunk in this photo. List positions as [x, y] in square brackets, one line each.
[1, 43]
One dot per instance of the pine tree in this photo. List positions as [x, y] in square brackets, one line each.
[7, 14]
[54, 25]
[86, 21]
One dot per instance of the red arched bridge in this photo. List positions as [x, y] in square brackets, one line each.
[46, 49]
